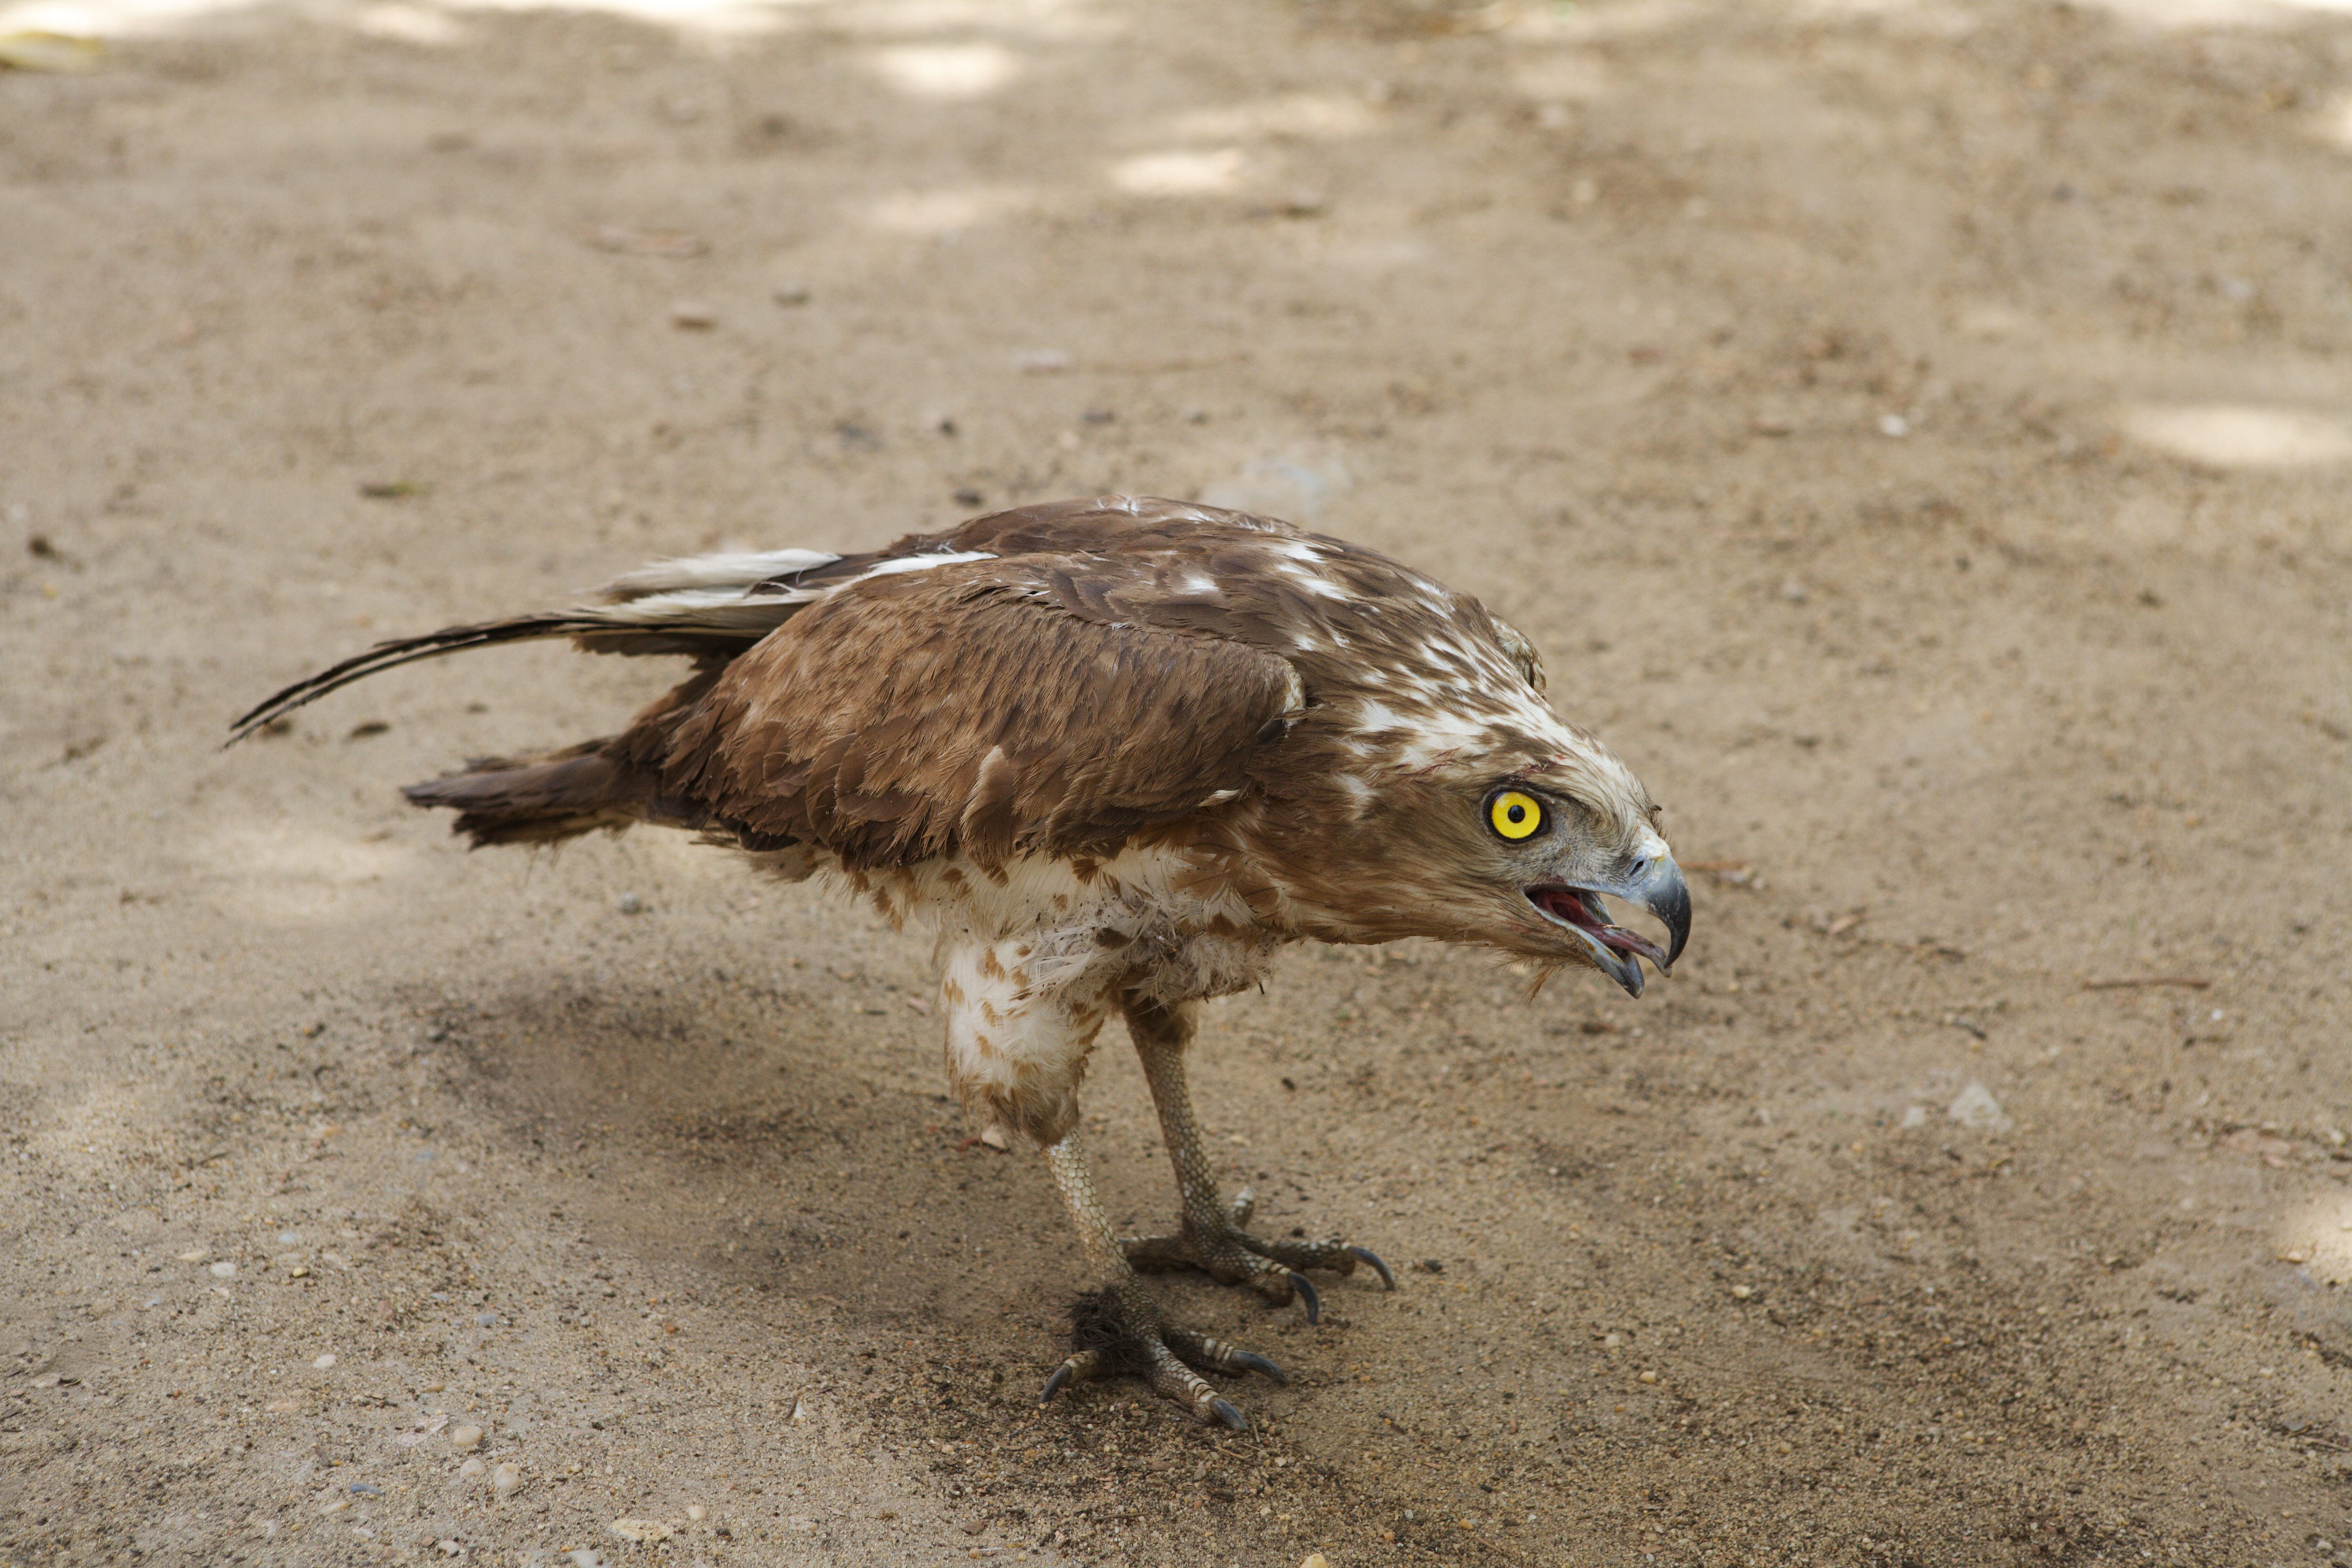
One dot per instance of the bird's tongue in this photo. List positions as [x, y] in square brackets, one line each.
[1577, 908]
[1567, 904]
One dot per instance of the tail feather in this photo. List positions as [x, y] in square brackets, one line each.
[389, 655]
[737, 570]
[540, 800]
[701, 606]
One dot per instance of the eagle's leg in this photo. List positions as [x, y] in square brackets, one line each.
[1118, 1328]
[1211, 1238]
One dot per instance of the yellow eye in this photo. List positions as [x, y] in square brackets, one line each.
[1515, 815]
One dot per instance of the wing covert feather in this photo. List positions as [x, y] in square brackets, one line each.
[968, 708]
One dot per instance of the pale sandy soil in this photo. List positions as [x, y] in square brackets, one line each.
[1915, 433]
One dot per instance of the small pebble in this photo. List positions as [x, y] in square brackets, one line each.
[995, 1138]
[693, 316]
[472, 1468]
[196, 1255]
[1315, 1560]
[587, 1557]
[1649, 1378]
[790, 293]
[486, 1320]
[290, 1239]
[224, 1270]
[697, 1512]
[630, 904]
[463, 1437]
[640, 1531]
[968, 495]
[1611, 1341]
[323, 1362]
[1975, 1106]
[1741, 1292]
[506, 1479]
[1894, 425]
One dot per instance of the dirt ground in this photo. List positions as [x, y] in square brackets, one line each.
[1917, 432]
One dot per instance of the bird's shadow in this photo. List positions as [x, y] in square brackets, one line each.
[794, 1139]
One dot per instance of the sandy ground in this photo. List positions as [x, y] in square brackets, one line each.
[1917, 433]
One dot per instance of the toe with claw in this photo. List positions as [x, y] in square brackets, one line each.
[1228, 1253]
[1117, 1330]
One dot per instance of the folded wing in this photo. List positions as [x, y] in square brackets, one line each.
[970, 707]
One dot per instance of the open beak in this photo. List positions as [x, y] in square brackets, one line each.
[1657, 886]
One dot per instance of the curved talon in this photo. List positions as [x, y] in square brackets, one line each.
[1077, 1369]
[1227, 1412]
[1307, 1295]
[1250, 1360]
[1365, 1254]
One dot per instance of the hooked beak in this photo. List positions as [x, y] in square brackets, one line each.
[1657, 885]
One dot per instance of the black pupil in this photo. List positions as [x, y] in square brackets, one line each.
[1519, 813]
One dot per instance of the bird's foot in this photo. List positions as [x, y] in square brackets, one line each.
[1117, 1331]
[1229, 1254]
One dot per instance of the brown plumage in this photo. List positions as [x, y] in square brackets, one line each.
[1117, 752]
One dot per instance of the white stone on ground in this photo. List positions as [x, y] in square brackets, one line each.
[1975, 1107]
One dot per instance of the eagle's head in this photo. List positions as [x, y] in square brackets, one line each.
[1513, 836]
[1423, 785]
[1562, 837]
